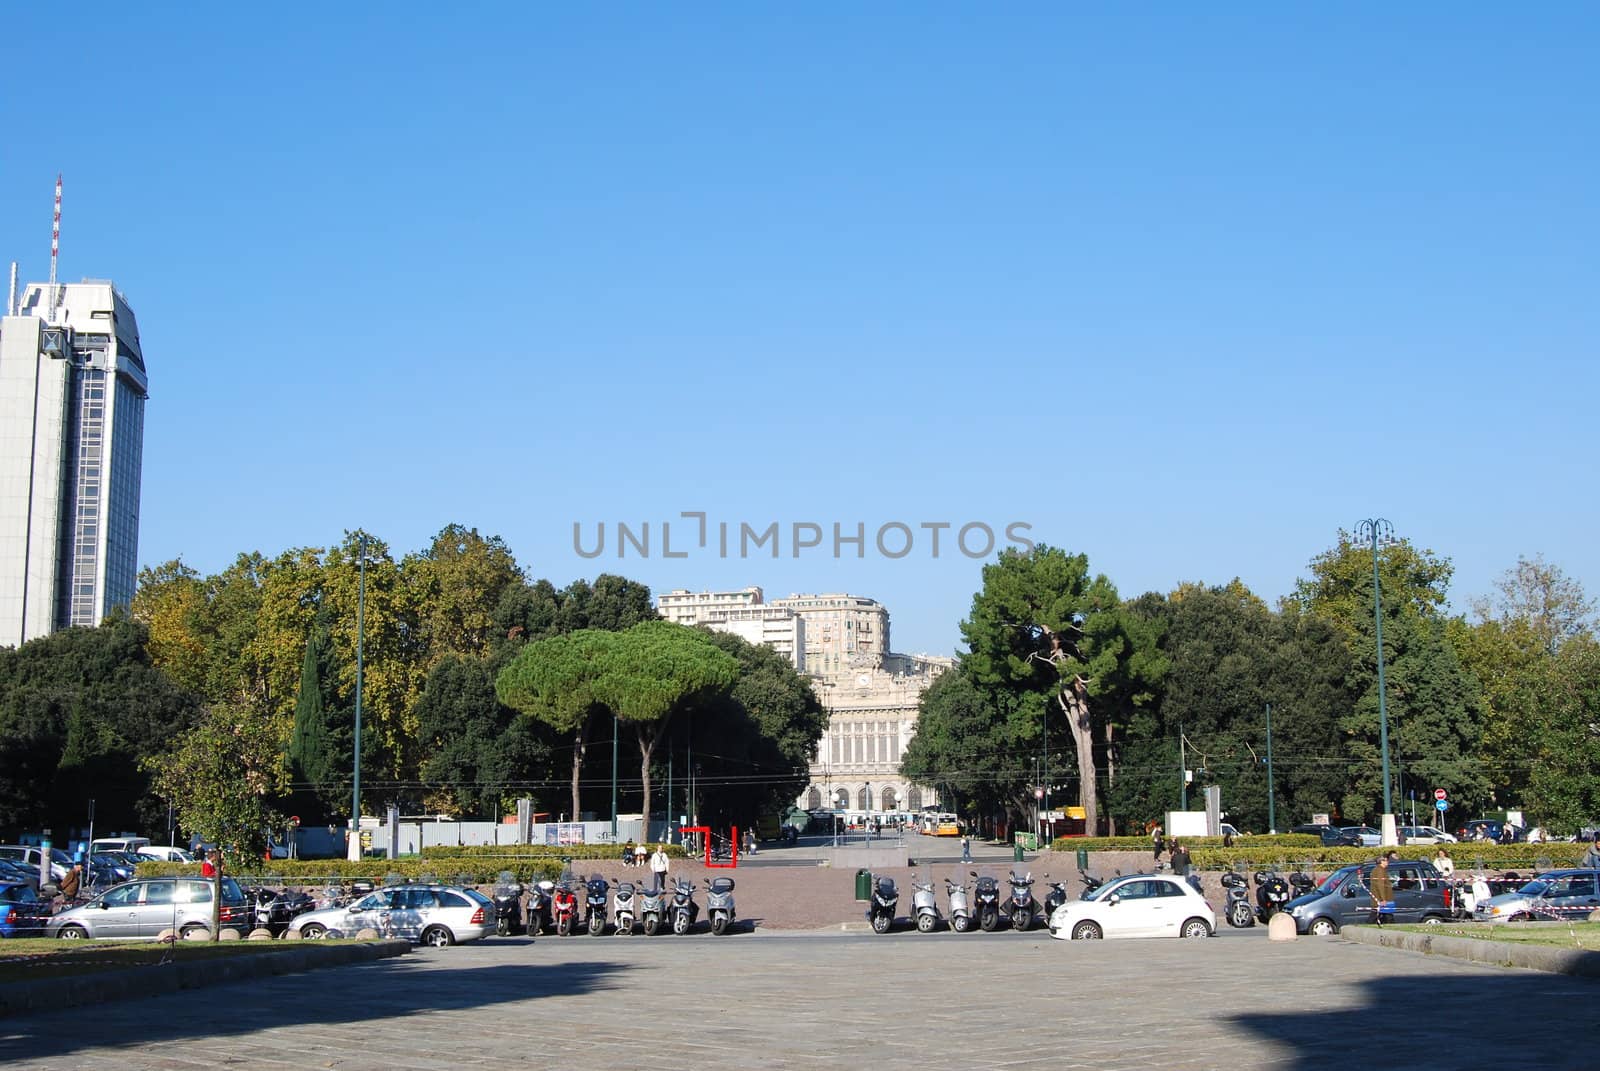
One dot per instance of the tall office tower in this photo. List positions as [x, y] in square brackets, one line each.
[72, 395]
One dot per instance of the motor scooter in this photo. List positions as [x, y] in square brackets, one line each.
[1238, 911]
[622, 907]
[1021, 903]
[598, 900]
[1272, 892]
[986, 895]
[960, 913]
[540, 895]
[685, 912]
[880, 911]
[1057, 897]
[652, 907]
[564, 908]
[508, 905]
[719, 904]
[925, 906]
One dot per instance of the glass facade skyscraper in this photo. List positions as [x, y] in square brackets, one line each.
[72, 396]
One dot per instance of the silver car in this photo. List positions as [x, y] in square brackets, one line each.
[437, 915]
[140, 910]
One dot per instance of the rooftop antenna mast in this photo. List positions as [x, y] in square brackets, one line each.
[55, 247]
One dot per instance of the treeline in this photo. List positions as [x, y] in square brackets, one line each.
[1117, 697]
[232, 696]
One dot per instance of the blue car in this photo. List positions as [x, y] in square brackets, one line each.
[22, 913]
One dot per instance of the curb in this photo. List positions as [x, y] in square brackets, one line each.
[1573, 961]
[53, 993]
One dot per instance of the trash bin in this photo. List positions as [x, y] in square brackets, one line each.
[1083, 859]
[863, 885]
[1016, 852]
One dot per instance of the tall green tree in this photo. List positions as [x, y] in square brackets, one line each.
[314, 760]
[1564, 781]
[473, 745]
[556, 681]
[966, 748]
[1540, 597]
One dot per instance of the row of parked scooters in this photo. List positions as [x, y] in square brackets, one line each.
[1272, 892]
[983, 907]
[627, 907]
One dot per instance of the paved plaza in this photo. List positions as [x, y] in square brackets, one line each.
[939, 1001]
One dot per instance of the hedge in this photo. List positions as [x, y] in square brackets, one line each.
[538, 851]
[1470, 856]
[1144, 843]
[314, 872]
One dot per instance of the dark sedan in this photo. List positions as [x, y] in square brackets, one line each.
[22, 913]
[1332, 836]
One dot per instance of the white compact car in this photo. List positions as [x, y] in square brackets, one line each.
[1140, 905]
[437, 915]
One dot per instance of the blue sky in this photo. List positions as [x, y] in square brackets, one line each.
[1187, 289]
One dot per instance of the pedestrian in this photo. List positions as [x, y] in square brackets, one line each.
[641, 856]
[1445, 865]
[208, 869]
[627, 854]
[1158, 841]
[72, 883]
[966, 848]
[1227, 839]
[659, 864]
[1591, 858]
[1507, 833]
[1382, 890]
[1180, 859]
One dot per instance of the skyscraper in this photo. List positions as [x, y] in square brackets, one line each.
[72, 395]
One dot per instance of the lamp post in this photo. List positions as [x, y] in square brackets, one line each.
[1272, 814]
[614, 781]
[1376, 530]
[355, 790]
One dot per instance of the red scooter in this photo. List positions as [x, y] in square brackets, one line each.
[564, 908]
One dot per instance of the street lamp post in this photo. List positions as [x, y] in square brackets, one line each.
[1376, 530]
[355, 790]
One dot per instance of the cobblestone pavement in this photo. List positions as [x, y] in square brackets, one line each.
[794, 1000]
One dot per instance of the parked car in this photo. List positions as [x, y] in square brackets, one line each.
[117, 844]
[141, 909]
[1142, 905]
[437, 915]
[1560, 894]
[1369, 837]
[1343, 899]
[11, 870]
[1425, 835]
[1490, 829]
[32, 855]
[165, 853]
[1332, 837]
[22, 913]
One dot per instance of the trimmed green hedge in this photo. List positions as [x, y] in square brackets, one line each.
[1144, 843]
[1465, 856]
[313, 872]
[538, 851]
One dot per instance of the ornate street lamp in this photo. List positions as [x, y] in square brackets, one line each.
[1378, 531]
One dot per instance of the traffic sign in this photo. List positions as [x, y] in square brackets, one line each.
[1440, 794]
[1442, 805]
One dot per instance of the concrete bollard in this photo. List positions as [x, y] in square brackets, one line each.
[199, 933]
[260, 933]
[368, 934]
[1280, 928]
[293, 935]
[228, 933]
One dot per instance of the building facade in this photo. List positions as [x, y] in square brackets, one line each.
[72, 395]
[871, 695]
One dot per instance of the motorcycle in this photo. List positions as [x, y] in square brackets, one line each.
[1272, 892]
[1057, 897]
[540, 896]
[1022, 903]
[880, 912]
[1238, 911]
[508, 906]
[719, 904]
[599, 890]
[960, 913]
[622, 907]
[685, 912]
[925, 906]
[652, 907]
[986, 893]
[564, 908]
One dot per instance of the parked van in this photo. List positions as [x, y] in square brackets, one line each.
[1343, 899]
[164, 853]
[117, 844]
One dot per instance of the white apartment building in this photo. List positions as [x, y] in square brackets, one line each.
[72, 396]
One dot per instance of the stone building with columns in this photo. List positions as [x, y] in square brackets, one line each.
[871, 695]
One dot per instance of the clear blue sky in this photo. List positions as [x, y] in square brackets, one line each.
[1187, 290]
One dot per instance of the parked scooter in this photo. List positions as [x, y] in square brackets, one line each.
[719, 904]
[540, 896]
[685, 912]
[1301, 883]
[622, 907]
[652, 907]
[598, 901]
[986, 895]
[1238, 911]
[274, 909]
[925, 906]
[1272, 892]
[564, 907]
[1057, 897]
[880, 912]
[508, 905]
[1090, 883]
[1021, 905]
[960, 913]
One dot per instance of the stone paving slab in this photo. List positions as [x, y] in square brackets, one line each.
[939, 1001]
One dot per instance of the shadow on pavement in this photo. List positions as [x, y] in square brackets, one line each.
[358, 993]
[1509, 1019]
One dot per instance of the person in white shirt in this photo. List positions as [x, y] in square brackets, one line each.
[1444, 865]
[659, 864]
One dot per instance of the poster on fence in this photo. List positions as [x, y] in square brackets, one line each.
[563, 833]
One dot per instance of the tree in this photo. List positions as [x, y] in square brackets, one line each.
[222, 777]
[458, 584]
[1050, 635]
[556, 681]
[1564, 782]
[964, 748]
[1535, 594]
[471, 742]
[313, 757]
[1340, 586]
[656, 669]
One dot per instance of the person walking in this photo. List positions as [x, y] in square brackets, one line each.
[966, 848]
[1180, 859]
[72, 883]
[1444, 864]
[1591, 858]
[1382, 890]
[659, 864]
[1158, 841]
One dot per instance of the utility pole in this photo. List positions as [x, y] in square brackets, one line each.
[1272, 819]
[614, 780]
[1183, 773]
